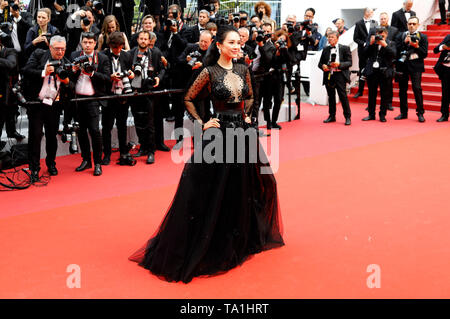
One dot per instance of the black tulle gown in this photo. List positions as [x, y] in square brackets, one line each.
[222, 213]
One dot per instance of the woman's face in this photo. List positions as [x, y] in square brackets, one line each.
[42, 19]
[148, 25]
[231, 46]
[111, 27]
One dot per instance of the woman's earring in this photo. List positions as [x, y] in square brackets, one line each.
[220, 51]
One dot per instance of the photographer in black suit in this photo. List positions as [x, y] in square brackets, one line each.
[400, 18]
[380, 54]
[442, 69]
[412, 49]
[443, 12]
[264, 52]
[117, 110]
[92, 77]
[8, 68]
[82, 21]
[335, 61]
[193, 33]
[47, 80]
[149, 71]
[362, 29]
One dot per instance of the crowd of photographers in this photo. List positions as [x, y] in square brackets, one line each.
[80, 64]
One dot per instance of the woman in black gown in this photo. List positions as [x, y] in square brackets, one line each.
[222, 212]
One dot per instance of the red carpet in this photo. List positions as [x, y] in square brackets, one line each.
[371, 193]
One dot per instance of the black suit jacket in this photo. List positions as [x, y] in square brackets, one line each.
[267, 52]
[385, 57]
[179, 43]
[416, 65]
[392, 33]
[33, 79]
[101, 79]
[8, 67]
[399, 20]
[159, 70]
[360, 35]
[193, 34]
[125, 61]
[345, 60]
[439, 68]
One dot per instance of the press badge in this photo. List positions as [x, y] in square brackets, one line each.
[414, 56]
[300, 47]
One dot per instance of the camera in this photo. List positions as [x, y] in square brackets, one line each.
[5, 30]
[378, 37]
[282, 44]
[171, 23]
[210, 7]
[127, 159]
[83, 63]
[290, 27]
[252, 27]
[332, 59]
[262, 36]
[69, 135]
[137, 67]
[414, 38]
[403, 56]
[236, 17]
[47, 35]
[85, 21]
[126, 82]
[306, 25]
[61, 69]
[195, 57]
[98, 5]
[14, 6]
[17, 90]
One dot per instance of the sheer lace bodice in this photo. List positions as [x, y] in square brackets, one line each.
[229, 89]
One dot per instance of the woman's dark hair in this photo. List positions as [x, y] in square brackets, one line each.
[212, 55]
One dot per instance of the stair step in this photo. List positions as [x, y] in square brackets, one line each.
[427, 95]
[428, 105]
[444, 27]
[436, 33]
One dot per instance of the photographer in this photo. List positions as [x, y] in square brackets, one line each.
[412, 49]
[247, 53]
[82, 21]
[380, 53]
[92, 74]
[282, 63]
[8, 67]
[264, 11]
[193, 34]
[213, 7]
[38, 37]
[362, 29]
[442, 69]
[149, 71]
[173, 44]
[301, 38]
[117, 110]
[335, 62]
[192, 59]
[264, 51]
[46, 79]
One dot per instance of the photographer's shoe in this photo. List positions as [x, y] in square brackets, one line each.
[34, 177]
[17, 136]
[369, 118]
[401, 117]
[330, 119]
[162, 147]
[357, 95]
[97, 170]
[106, 160]
[52, 170]
[150, 158]
[141, 153]
[421, 118]
[84, 165]
[348, 121]
[276, 126]
[442, 119]
[382, 118]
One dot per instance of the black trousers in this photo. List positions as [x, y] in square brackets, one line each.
[262, 90]
[42, 116]
[115, 111]
[338, 83]
[375, 81]
[142, 109]
[445, 103]
[159, 112]
[416, 81]
[278, 94]
[88, 115]
[8, 118]
[442, 9]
